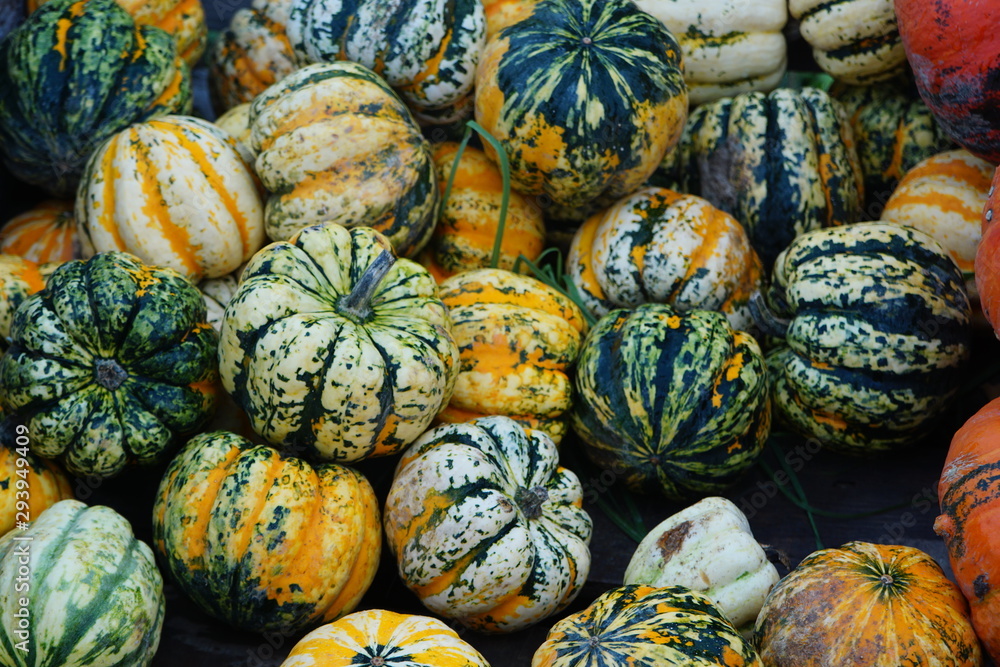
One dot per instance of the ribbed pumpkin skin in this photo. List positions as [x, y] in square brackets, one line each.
[954, 50]
[987, 264]
[427, 50]
[262, 541]
[854, 41]
[878, 337]
[518, 340]
[661, 246]
[866, 605]
[175, 192]
[95, 596]
[46, 482]
[585, 97]
[893, 131]
[467, 225]
[46, 233]
[60, 97]
[729, 46]
[19, 279]
[782, 164]
[642, 625]
[486, 528]
[399, 639]
[110, 364]
[969, 522]
[334, 144]
[323, 381]
[676, 403]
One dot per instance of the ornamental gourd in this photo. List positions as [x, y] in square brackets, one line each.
[987, 263]
[660, 246]
[46, 233]
[585, 98]
[486, 527]
[674, 403]
[93, 594]
[60, 97]
[501, 13]
[262, 541]
[643, 625]
[866, 605]
[876, 326]
[110, 364]
[42, 482]
[334, 144]
[335, 348]
[19, 279]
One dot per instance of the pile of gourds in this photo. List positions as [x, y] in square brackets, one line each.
[660, 249]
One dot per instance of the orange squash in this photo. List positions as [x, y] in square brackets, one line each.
[37, 483]
[987, 264]
[19, 279]
[46, 233]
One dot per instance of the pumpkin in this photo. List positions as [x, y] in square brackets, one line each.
[467, 225]
[709, 548]
[19, 279]
[91, 594]
[426, 50]
[782, 164]
[236, 122]
[518, 340]
[175, 192]
[672, 402]
[855, 41]
[730, 47]
[987, 262]
[335, 348]
[376, 637]
[643, 625]
[334, 144]
[955, 53]
[661, 246]
[893, 131]
[29, 484]
[866, 604]
[110, 364]
[876, 327]
[968, 492]
[60, 97]
[501, 13]
[263, 541]
[585, 97]
[486, 528]
[218, 292]
[46, 233]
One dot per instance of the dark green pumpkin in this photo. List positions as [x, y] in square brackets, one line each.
[673, 402]
[876, 328]
[109, 364]
[74, 73]
[782, 164]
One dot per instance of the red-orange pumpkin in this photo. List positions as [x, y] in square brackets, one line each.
[987, 264]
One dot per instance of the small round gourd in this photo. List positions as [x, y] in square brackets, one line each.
[43, 482]
[46, 233]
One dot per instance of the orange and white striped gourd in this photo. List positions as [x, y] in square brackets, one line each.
[19, 279]
[175, 192]
[46, 233]
[43, 483]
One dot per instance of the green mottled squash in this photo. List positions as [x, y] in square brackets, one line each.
[585, 96]
[262, 541]
[486, 528]
[110, 364]
[60, 96]
[644, 625]
[672, 402]
[335, 348]
[876, 327]
[92, 595]
[29, 484]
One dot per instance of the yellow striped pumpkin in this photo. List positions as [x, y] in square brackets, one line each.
[44, 483]
[518, 340]
[175, 192]
[46, 233]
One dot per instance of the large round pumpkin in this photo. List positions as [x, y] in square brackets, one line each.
[585, 96]
[673, 402]
[335, 348]
[334, 144]
[486, 527]
[110, 364]
[46, 233]
[60, 97]
[90, 593]
[29, 484]
[262, 541]
[866, 605]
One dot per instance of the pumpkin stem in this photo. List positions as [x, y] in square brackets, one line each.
[765, 318]
[358, 303]
[109, 374]
[531, 500]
